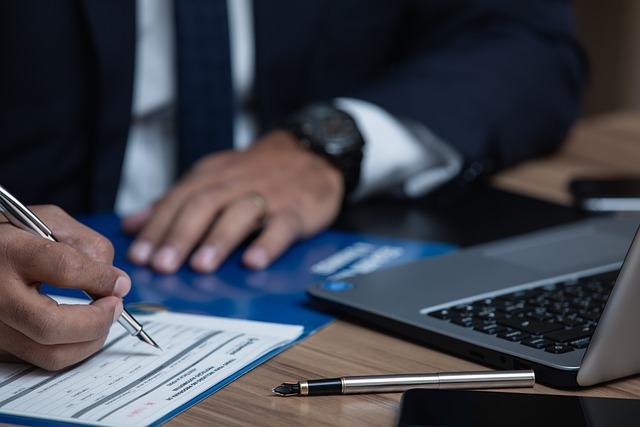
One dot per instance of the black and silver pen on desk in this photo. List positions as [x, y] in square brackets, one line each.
[403, 382]
[22, 217]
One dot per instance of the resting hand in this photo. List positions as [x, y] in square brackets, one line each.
[286, 192]
[33, 327]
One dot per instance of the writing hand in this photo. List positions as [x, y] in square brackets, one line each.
[33, 327]
[276, 187]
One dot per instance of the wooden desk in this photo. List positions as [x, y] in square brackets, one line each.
[600, 146]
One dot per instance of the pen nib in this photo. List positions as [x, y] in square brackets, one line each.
[287, 389]
[142, 336]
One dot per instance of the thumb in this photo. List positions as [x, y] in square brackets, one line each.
[63, 266]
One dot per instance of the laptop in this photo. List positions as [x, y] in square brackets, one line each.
[563, 301]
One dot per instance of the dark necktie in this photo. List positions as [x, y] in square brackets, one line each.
[204, 104]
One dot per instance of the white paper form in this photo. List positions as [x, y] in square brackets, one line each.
[129, 383]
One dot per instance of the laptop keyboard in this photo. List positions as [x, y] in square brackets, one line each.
[556, 318]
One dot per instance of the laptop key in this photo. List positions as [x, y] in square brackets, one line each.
[571, 321]
[489, 315]
[489, 327]
[571, 334]
[443, 314]
[463, 310]
[593, 315]
[509, 308]
[466, 321]
[558, 348]
[581, 343]
[513, 335]
[537, 342]
[529, 326]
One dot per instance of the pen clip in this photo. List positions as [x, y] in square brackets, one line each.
[20, 216]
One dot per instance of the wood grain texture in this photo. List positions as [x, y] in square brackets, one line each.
[606, 145]
[342, 348]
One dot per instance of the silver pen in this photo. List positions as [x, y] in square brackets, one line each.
[22, 217]
[403, 382]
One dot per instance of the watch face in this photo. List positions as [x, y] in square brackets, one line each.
[328, 130]
[337, 127]
[334, 126]
[334, 130]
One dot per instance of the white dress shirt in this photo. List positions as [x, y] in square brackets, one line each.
[399, 155]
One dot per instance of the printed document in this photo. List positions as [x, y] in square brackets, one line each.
[129, 383]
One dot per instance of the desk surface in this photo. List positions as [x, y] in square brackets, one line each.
[597, 146]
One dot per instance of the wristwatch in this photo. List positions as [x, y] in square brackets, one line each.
[333, 134]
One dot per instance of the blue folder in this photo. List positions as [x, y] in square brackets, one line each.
[276, 294]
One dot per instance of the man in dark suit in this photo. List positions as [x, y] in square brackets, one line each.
[489, 82]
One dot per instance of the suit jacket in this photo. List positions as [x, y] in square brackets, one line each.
[499, 80]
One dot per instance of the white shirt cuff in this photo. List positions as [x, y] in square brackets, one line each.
[399, 154]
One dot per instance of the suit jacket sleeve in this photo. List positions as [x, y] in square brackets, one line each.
[499, 80]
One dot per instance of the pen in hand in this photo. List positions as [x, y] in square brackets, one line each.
[403, 382]
[22, 217]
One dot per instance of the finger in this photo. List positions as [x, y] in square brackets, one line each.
[133, 223]
[76, 323]
[281, 231]
[38, 260]
[160, 220]
[239, 219]
[24, 350]
[75, 234]
[189, 227]
[53, 353]
[44, 322]
[200, 179]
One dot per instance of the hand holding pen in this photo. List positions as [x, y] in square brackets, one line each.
[33, 327]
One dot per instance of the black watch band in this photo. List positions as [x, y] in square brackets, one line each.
[333, 134]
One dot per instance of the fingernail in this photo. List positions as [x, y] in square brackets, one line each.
[140, 252]
[137, 216]
[122, 286]
[166, 259]
[256, 258]
[205, 258]
[118, 311]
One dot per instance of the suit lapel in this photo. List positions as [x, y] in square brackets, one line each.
[111, 28]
